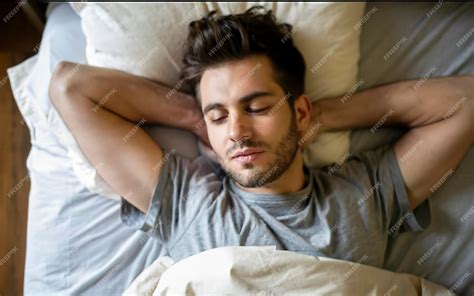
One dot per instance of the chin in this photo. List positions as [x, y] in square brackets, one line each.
[252, 175]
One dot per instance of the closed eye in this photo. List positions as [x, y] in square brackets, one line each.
[257, 110]
[249, 110]
[218, 119]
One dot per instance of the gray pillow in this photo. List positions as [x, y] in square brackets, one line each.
[401, 41]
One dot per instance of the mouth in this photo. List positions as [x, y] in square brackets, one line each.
[245, 152]
[247, 155]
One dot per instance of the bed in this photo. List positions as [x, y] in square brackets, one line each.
[76, 242]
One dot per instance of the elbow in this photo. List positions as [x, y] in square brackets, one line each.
[62, 81]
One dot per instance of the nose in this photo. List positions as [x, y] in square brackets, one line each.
[238, 128]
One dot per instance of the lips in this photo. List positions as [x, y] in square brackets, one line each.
[246, 152]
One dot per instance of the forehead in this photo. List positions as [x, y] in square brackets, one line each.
[229, 81]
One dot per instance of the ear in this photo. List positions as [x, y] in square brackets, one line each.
[303, 112]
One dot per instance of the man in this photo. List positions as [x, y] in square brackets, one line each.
[248, 81]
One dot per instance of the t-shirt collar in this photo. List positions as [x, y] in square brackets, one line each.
[274, 198]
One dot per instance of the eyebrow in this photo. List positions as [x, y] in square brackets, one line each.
[251, 96]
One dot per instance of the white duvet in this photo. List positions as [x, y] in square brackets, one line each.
[267, 271]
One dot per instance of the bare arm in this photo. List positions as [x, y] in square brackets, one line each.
[105, 110]
[438, 112]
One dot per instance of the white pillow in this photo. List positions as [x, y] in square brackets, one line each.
[265, 270]
[147, 39]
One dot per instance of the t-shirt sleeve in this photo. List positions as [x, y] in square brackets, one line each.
[378, 192]
[185, 189]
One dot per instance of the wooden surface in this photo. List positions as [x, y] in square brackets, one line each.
[19, 40]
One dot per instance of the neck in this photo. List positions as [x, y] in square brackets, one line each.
[292, 180]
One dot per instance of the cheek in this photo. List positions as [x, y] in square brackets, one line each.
[217, 137]
[271, 128]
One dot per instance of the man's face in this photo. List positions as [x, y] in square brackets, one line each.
[247, 114]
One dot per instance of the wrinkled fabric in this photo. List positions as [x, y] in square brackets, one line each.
[267, 271]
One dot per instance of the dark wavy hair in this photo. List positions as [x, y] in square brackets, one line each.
[214, 40]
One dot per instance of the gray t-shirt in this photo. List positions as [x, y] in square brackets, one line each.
[347, 211]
